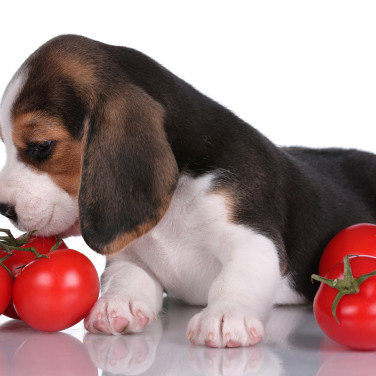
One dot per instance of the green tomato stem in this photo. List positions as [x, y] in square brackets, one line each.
[24, 239]
[9, 234]
[9, 243]
[57, 244]
[9, 250]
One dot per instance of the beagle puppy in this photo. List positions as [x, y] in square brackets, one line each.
[179, 193]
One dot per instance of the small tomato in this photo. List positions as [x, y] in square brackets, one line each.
[54, 293]
[22, 258]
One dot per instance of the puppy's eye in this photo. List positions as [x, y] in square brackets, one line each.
[40, 151]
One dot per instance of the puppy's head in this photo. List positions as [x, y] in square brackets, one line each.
[86, 147]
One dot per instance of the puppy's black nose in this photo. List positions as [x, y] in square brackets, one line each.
[8, 211]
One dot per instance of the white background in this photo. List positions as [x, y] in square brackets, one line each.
[302, 72]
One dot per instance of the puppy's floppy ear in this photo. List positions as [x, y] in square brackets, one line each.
[129, 171]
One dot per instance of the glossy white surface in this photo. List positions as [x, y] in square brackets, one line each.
[294, 346]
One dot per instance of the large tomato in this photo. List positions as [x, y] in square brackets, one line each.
[346, 310]
[5, 288]
[359, 239]
[54, 293]
[22, 258]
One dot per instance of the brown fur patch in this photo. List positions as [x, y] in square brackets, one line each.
[122, 240]
[80, 70]
[229, 199]
[64, 165]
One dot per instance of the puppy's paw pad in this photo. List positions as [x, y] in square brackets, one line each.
[120, 324]
[100, 326]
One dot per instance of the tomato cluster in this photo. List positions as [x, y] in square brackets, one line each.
[44, 283]
[345, 304]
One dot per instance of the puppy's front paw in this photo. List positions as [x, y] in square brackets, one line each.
[113, 315]
[225, 326]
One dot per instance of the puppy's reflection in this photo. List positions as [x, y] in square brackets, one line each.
[163, 349]
[131, 354]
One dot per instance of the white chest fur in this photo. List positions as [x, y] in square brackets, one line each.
[179, 250]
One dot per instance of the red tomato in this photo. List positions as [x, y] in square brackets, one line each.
[55, 293]
[22, 258]
[5, 288]
[356, 312]
[358, 239]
